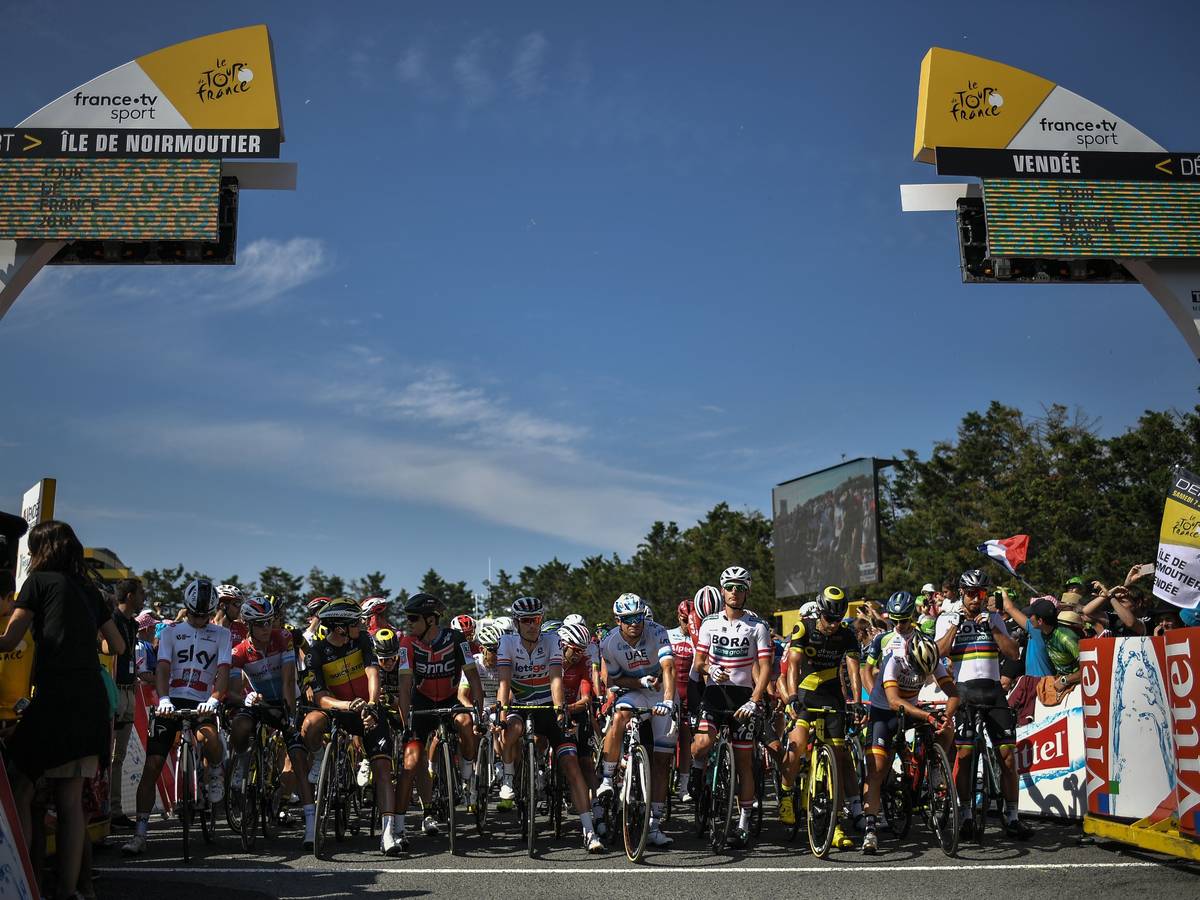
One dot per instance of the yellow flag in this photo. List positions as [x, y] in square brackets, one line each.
[1177, 569]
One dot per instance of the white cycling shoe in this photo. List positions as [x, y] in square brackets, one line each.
[363, 776]
[429, 825]
[506, 790]
[657, 838]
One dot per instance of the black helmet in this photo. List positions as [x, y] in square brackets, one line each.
[200, 597]
[386, 644]
[973, 580]
[422, 604]
[832, 602]
[339, 611]
[900, 606]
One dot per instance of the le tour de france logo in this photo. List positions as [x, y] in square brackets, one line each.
[975, 102]
[224, 79]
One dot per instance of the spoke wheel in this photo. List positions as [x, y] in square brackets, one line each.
[979, 788]
[759, 766]
[942, 797]
[184, 795]
[325, 814]
[531, 796]
[443, 790]
[635, 804]
[484, 768]
[249, 798]
[557, 796]
[724, 795]
[824, 801]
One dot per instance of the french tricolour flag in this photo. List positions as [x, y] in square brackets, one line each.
[1009, 552]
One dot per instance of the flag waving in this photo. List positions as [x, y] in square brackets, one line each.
[1177, 569]
[1009, 552]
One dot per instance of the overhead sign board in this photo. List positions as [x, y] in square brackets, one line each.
[100, 143]
[1017, 163]
[1061, 220]
[969, 101]
[109, 199]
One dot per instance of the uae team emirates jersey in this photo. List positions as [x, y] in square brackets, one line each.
[436, 667]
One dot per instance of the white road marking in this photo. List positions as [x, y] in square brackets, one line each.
[613, 870]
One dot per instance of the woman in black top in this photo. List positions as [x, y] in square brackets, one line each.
[64, 733]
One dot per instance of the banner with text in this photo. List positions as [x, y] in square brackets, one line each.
[1177, 569]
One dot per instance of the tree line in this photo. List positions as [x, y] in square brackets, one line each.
[1091, 506]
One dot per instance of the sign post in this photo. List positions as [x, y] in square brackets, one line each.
[36, 506]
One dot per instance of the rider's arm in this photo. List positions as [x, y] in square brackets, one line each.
[373, 683]
[221, 682]
[404, 692]
[947, 629]
[1004, 640]
[289, 686]
[762, 678]
[476, 689]
[557, 696]
[852, 670]
[898, 703]
[950, 689]
[668, 678]
[162, 677]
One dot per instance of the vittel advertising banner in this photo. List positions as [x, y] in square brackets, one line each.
[1050, 760]
[1182, 652]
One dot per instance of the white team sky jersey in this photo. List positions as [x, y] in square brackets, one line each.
[643, 657]
[195, 655]
[734, 645]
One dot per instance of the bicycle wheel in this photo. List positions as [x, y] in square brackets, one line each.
[994, 793]
[531, 794]
[251, 770]
[343, 780]
[443, 789]
[978, 786]
[700, 803]
[557, 796]
[325, 801]
[184, 794]
[942, 799]
[724, 795]
[268, 766]
[233, 799]
[824, 800]
[635, 803]
[483, 781]
[759, 766]
[672, 787]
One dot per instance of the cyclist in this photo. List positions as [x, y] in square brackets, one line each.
[974, 640]
[432, 661]
[530, 667]
[268, 663]
[901, 607]
[489, 678]
[683, 650]
[346, 684]
[736, 679]
[375, 614]
[815, 654]
[192, 673]
[466, 626]
[592, 650]
[909, 664]
[574, 640]
[637, 656]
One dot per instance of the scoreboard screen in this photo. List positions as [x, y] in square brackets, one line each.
[109, 199]
[1065, 219]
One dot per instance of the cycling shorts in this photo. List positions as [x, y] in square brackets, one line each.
[719, 703]
[423, 726]
[273, 717]
[545, 724]
[882, 724]
[664, 735]
[163, 729]
[377, 741]
[828, 693]
[999, 722]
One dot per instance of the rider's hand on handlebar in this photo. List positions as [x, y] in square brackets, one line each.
[165, 706]
[253, 699]
[356, 704]
[746, 710]
[209, 706]
[664, 708]
[649, 682]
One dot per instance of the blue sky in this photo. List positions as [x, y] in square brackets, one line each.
[555, 271]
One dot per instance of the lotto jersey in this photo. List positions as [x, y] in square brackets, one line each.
[264, 668]
[530, 668]
[436, 667]
[342, 671]
[195, 655]
[974, 654]
[875, 649]
[577, 681]
[899, 673]
[734, 645]
[683, 651]
[641, 658]
[820, 655]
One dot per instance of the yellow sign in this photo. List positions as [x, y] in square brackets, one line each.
[1177, 569]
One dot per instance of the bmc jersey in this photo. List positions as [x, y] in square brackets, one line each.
[734, 645]
[819, 655]
[974, 653]
[641, 658]
[899, 673]
[683, 651]
[436, 667]
[342, 671]
[530, 668]
[195, 654]
[264, 668]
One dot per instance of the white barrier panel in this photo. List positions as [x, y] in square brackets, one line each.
[1050, 760]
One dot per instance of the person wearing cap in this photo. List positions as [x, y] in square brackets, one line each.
[1038, 619]
[1062, 646]
[146, 659]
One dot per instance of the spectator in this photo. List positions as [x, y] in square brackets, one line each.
[1062, 646]
[131, 597]
[1038, 620]
[1166, 618]
[16, 670]
[64, 732]
[147, 656]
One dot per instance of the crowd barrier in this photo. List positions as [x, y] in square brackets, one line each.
[1050, 760]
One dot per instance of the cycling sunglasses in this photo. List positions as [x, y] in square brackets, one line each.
[412, 617]
[527, 620]
[632, 619]
[735, 588]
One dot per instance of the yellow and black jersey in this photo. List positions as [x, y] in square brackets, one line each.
[342, 671]
[819, 655]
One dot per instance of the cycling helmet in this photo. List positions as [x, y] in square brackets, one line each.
[708, 601]
[339, 611]
[973, 580]
[575, 619]
[526, 606]
[550, 626]
[314, 605]
[923, 653]
[832, 602]
[200, 597]
[372, 605]
[489, 636]
[901, 606]
[684, 609]
[386, 644]
[809, 610]
[422, 604]
[257, 610]
[504, 625]
[464, 624]
[735, 574]
[574, 635]
[629, 605]
[229, 592]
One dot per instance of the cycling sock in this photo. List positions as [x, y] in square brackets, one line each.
[870, 822]
[510, 769]
[656, 811]
[684, 778]
[585, 819]
[143, 824]
[608, 769]
[1010, 810]
[387, 821]
[466, 768]
[744, 814]
[856, 807]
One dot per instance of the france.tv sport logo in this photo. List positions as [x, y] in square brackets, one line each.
[128, 108]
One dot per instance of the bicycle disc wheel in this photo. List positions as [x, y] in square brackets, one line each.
[250, 795]
[531, 796]
[724, 796]
[942, 799]
[443, 789]
[325, 813]
[759, 766]
[824, 801]
[635, 804]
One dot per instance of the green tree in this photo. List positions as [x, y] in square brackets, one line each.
[322, 585]
[454, 594]
[286, 589]
[164, 589]
[370, 585]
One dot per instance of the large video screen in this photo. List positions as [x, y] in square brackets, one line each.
[826, 530]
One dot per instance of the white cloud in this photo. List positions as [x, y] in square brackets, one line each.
[267, 269]
[527, 65]
[477, 84]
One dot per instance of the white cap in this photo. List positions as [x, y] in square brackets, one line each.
[928, 588]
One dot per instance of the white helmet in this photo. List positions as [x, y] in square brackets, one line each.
[809, 610]
[200, 597]
[504, 624]
[526, 606]
[575, 619]
[230, 592]
[575, 635]
[372, 605]
[489, 635]
[707, 602]
[735, 573]
[630, 605]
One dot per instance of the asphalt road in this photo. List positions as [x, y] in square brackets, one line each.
[1053, 863]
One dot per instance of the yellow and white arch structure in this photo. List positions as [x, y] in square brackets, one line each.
[969, 101]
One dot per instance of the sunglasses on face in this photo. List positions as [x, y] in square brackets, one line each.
[634, 619]
[736, 588]
[412, 617]
[832, 619]
[530, 620]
